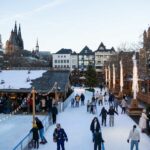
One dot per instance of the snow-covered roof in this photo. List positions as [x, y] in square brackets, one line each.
[23, 81]
[16, 79]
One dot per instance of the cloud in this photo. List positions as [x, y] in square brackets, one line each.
[32, 12]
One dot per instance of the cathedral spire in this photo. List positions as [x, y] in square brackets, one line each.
[0, 42]
[37, 46]
[145, 39]
[19, 32]
[15, 28]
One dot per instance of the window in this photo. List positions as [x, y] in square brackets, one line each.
[58, 61]
[67, 61]
[61, 61]
[64, 61]
[55, 61]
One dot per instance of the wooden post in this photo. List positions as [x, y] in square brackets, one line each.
[33, 104]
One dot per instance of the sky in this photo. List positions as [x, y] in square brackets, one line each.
[75, 23]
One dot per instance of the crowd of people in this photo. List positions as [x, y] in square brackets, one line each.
[104, 101]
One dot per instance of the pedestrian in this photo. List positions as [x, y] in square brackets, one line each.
[72, 102]
[100, 99]
[88, 106]
[143, 121]
[116, 104]
[95, 125]
[124, 106]
[41, 130]
[82, 99]
[134, 135]
[60, 137]
[35, 136]
[111, 113]
[54, 113]
[77, 99]
[111, 99]
[103, 114]
[96, 95]
[98, 140]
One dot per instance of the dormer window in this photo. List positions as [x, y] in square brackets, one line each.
[101, 48]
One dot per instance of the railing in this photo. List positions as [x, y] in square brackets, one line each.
[66, 102]
[47, 121]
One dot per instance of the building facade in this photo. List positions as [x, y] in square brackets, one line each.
[15, 43]
[102, 55]
[65, 59]
[144, 55]
[85, 57]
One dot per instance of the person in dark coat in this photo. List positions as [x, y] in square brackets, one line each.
[111, 113]
[98, 140]
[35, 136]
[41, 130]
[82, 99]
[111, 99]
[103, 114]
[54, 113]
[95, 125]
[60, 137]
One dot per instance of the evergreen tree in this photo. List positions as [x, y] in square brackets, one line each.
[91, 79]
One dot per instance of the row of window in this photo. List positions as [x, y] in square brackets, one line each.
[62, 56]
[64, 66]
[61, 61]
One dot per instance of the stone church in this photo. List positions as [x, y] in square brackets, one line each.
[15, 43]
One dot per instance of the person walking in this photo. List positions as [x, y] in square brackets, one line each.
[134, 135]
[82, 99]
[143, 121]
[103, 114]
[35, 136]
[95, 125]
[41, 130]
[98, 140]
[111, 113]
[54, 113]
[124, 106]
[60, 136]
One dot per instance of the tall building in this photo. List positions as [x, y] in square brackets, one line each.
[1, 45]
[15, 43]
[144, 55]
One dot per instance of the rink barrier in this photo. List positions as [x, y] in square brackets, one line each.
[47, 121]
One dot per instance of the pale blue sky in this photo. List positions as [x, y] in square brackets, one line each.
[75, 23]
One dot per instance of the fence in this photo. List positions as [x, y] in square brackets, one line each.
[23, 144]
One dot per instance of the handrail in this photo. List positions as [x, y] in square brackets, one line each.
[23, 144]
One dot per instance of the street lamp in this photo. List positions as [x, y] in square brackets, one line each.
[33, 104]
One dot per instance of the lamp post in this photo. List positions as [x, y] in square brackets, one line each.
[33, 104]
[135, 87]
[134, 109]
[114, 78]
[121, 80]
[109, 77]
[106, 76]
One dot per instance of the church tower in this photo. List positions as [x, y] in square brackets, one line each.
[1, 45]
[37, 46]
[15, 43]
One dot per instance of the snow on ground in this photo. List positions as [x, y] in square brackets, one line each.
[16, 79]
[76, 122]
